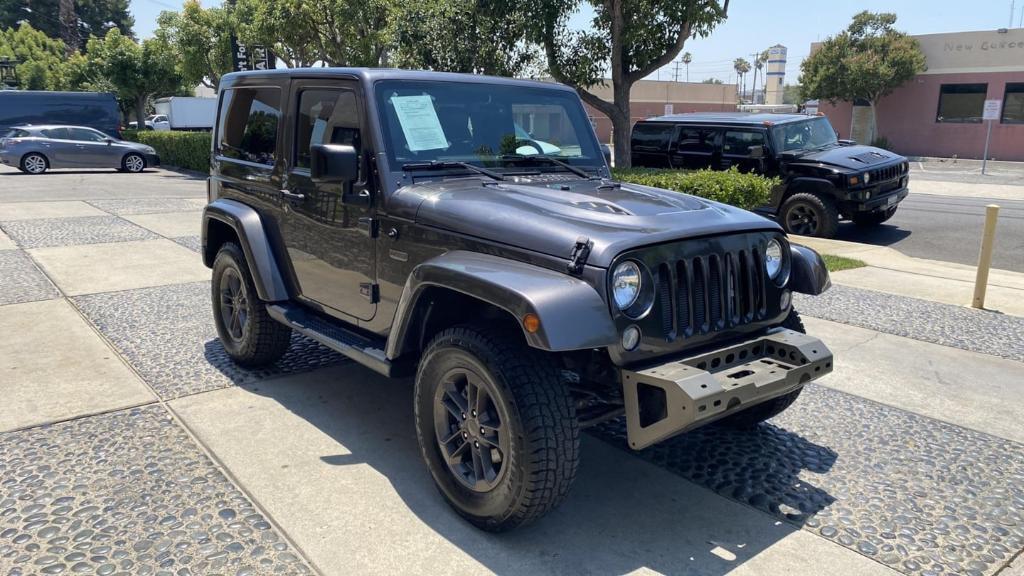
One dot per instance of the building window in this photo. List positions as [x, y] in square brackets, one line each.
[961, 102]
[1013, 104]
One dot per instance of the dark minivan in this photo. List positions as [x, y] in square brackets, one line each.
[823, 178]
[97, 110]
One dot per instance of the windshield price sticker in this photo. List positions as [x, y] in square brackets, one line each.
[419, 122]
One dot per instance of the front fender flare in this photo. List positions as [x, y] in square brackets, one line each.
[573, 316]
[248, 226]
[808, 273]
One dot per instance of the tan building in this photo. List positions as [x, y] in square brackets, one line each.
[650, 98]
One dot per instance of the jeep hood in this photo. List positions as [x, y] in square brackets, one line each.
[548, 217]
[850, 158]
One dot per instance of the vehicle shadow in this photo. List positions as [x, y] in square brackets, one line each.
[622, 514]
[881, 235]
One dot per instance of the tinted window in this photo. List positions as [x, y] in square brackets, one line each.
[326, 117]
[652, 137]
[86, 135]
[15, 133]
[57, 133]
[248, 124]
[696, 140]
[1013, 104]
[738, 143]
[961, 102]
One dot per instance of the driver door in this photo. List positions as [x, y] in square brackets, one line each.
[327, 228]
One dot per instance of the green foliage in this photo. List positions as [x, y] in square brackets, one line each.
[791, 94]
[882, 142]
[837, 263]
[730, 186]
[711, 81]
[202, 39]
[189, 150]
[629, 40]
[42, 58]
[95, 17]
[475, 36]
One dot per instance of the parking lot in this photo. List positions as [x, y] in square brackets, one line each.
[129, 443]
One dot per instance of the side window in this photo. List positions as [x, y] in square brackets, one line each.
[652, 137]
[696, 141]
[326, 117]
[84, 135]
[56, 133]
[738, 143]
[248, 124]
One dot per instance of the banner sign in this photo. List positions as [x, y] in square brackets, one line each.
[255, 57]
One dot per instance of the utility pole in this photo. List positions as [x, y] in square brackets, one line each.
[675, 70]
[1012, 12]
[753, 87]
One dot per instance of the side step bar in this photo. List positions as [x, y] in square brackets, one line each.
[334, 335]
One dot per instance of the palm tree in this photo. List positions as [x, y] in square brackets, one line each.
[687, 58]
[759, 63]
[741, 66]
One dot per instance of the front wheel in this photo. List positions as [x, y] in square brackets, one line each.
[496, 427]
[809, 214]
[873, 218]
[134, 163]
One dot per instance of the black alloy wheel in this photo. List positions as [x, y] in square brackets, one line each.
[234, 304]
[802, 219]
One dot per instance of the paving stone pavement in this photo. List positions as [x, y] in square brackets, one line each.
[167, 334]
[919, 495]
[965, 328]
[193, 243]
[48, 232]
[127, 492]
[21, 281]
[124, 207]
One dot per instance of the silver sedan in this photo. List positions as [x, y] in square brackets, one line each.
[35, 149]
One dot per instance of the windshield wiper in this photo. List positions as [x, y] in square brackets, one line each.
[447, 164]
[521, 157]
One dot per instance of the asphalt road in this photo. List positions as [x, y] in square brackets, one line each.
[948, 228]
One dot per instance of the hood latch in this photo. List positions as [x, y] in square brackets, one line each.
[579, 255]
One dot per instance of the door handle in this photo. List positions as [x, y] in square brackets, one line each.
[293, 196]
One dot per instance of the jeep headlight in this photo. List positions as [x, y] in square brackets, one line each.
[626, 284]
[773, 259]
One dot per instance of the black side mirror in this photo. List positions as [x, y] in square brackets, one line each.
[757, 151]
[109, 141]
[333, 163]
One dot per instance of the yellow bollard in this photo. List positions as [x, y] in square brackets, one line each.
[988, 237]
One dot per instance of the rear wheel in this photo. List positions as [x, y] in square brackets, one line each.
[874, 218]
[133, 163]
[496, 426]
[769, 409]
[809, 214]
[249, 335]
[34, 163]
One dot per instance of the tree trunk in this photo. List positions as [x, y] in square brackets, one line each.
[872, 124]
[621, 132]
[69, 27]
[140, 112]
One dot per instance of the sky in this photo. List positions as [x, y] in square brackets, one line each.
[754, 25]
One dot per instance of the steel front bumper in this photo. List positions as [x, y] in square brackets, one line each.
[681, 395]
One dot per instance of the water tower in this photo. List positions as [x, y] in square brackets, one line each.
[775, 75]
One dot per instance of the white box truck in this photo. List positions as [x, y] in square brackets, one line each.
[186, 113]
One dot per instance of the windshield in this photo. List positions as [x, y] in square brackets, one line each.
[807, 134]
[487, 125]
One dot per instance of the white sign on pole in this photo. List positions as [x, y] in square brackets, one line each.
[668, 109]
[992, 109]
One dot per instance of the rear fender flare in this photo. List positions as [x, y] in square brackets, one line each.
[248, 226]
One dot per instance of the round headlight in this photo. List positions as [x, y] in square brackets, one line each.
[626, 284]
[773, 259]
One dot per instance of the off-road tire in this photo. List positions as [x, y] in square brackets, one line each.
[29, 162]
[823, 208]
[544, 433]
[263, 340]
[873, 218]
[133, 163]
[751, 417]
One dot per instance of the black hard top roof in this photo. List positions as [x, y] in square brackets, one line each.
[732, 118]
[374, 74]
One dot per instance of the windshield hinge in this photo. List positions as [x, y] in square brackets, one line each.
[579, 255]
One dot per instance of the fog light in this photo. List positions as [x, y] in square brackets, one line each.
[630, 337]
[785, 300]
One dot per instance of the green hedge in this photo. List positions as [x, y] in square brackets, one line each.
[730, 186]
[189, 150]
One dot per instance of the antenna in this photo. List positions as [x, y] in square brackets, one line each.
[1012, 11]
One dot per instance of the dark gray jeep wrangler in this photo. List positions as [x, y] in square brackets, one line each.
[466, 230]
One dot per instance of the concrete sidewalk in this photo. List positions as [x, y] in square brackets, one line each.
[992, 191]
[891, 271]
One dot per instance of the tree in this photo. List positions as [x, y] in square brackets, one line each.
[74, 21]
[202, 38]
[41, 58]
[628, 38]
[741, 66]
[687, 58]
[791, 94]
[759, 62]
[474, 36]
[867, 61]
[711, 81]
[331, 32]
[136, 72]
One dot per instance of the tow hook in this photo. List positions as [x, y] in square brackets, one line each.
[579, 255]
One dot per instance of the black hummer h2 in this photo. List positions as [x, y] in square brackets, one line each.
[464, 229]
[823, 178]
